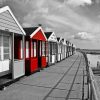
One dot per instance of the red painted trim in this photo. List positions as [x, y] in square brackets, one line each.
[39, 36]
[44, 63]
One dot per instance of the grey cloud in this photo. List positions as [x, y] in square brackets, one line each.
[76, 3]
[84, 36]
[67, 19]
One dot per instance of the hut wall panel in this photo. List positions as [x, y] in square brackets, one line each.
[18, 69]
[58, 57]
[7, 18]
[53, 59]
[7, 23]
[44, 64]
[34, 64]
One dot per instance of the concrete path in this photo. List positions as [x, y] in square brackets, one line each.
[62, 81]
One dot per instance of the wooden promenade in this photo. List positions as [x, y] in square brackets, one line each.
[66, 80]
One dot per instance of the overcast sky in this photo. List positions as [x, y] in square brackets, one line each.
[75, 20]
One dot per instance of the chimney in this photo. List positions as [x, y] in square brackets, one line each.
[40, 25]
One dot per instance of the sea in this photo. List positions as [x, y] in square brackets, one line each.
[93, 59]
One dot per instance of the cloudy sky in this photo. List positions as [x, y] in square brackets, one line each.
[75, 20]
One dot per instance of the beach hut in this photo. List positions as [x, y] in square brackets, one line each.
[35, 49]
[11, 47]
[52, 47]
[74, 49]
[70, 47]
[63, 48]
[59, 48]
[67, 49]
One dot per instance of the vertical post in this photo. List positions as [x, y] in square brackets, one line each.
[83, 86]
[48, 52]
[23, 45]
[12, 55]
[91, 94]
[45, 49]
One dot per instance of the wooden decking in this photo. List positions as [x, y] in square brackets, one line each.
[66, 80]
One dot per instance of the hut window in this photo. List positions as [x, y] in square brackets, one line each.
[53, 48]
[34, 49]
[50, 48]
[40, 47]
[59, 48]
[63, 49]
[43, 49]
[27, 49]
[6, 47]
[46, 48]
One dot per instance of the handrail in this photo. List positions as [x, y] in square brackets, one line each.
[95, 91]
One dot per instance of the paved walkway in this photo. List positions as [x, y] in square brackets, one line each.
[62, 81]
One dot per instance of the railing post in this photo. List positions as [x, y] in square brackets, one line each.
[83, 86]
[91, 92]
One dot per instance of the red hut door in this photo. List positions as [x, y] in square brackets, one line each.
[39, 53]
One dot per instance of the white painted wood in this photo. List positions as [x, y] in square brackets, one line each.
[53, 59]
[58, 57]
[8, 20]
[5, 65]
[52, 37]
[0, 66]
[7, 17]
[18, 69]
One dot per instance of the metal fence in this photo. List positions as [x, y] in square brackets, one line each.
[93, 89]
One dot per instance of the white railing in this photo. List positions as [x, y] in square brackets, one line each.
[93, 88]
[94, 93]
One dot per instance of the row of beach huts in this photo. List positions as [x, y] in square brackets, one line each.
[24, 51]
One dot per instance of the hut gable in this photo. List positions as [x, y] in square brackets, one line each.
[51, 36]
[8, 22]
[35, 33]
